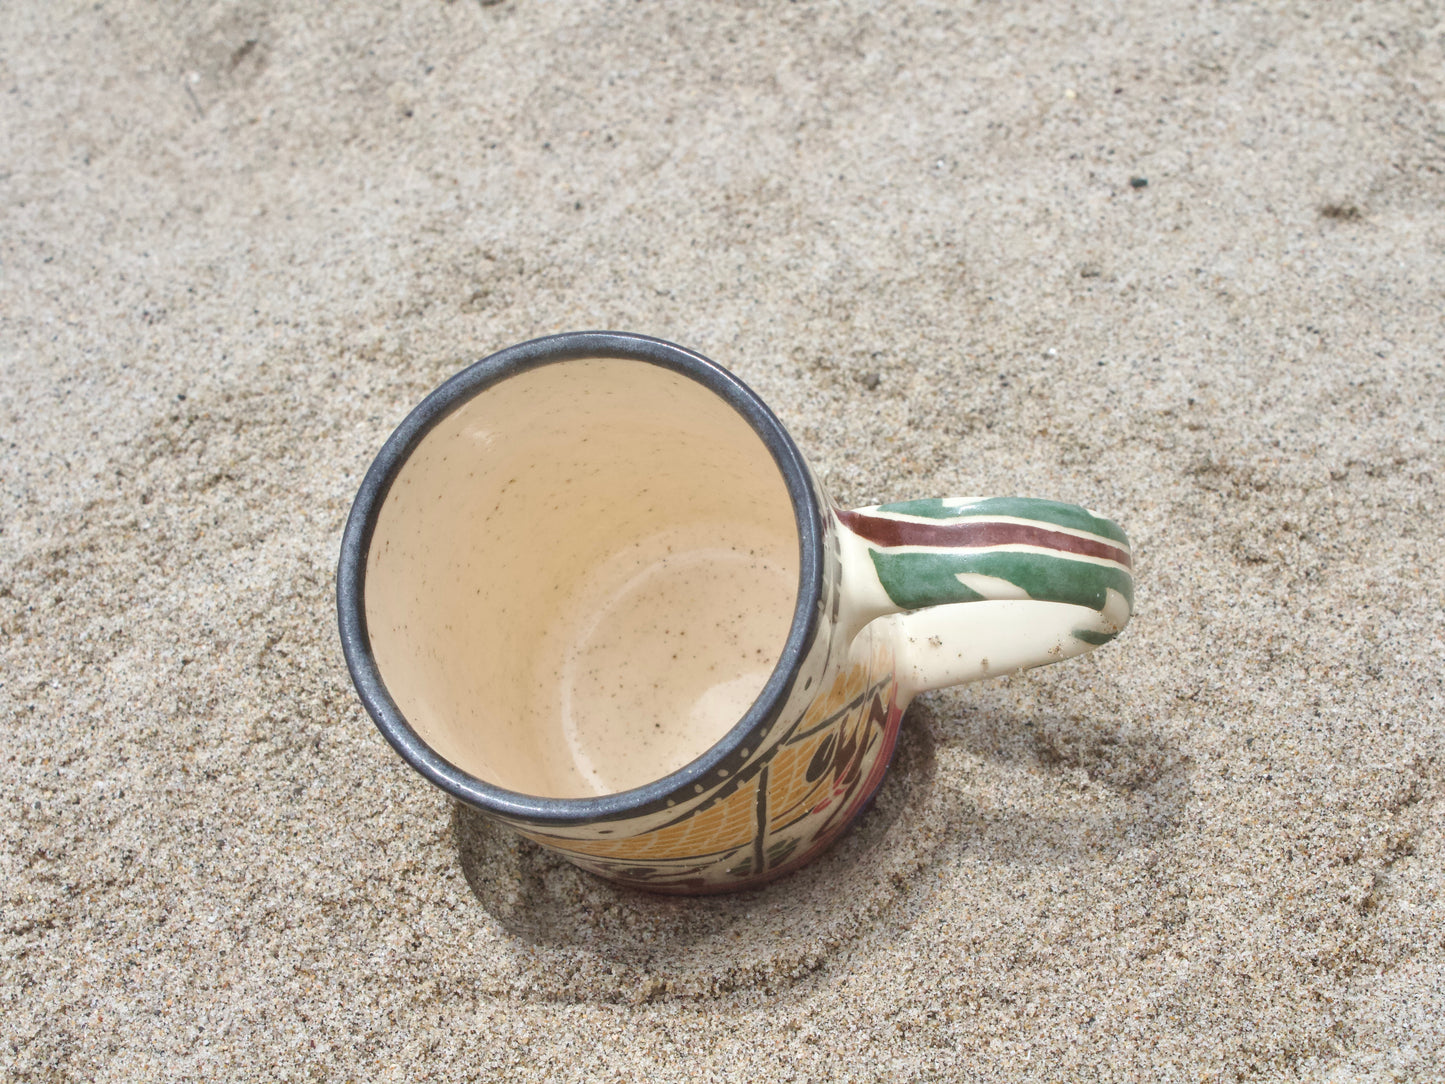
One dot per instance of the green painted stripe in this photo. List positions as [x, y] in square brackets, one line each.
[916, 580]
[1060, 515]
[1089, 636]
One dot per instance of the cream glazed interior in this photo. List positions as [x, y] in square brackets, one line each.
[581, 578]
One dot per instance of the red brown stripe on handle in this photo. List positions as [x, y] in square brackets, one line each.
[889, 533]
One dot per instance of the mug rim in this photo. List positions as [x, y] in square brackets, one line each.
[462, 387]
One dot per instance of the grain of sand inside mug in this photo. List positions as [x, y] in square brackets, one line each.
[581, 578]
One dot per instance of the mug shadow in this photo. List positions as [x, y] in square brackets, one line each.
[1134, 783]
[577, 937]
[585, 938]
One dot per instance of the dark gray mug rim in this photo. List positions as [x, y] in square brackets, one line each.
[464, 386]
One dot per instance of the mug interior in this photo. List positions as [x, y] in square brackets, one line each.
[581, 578]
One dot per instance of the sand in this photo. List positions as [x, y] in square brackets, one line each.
[1182, 263]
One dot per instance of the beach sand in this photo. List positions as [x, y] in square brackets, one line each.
[1184, 264]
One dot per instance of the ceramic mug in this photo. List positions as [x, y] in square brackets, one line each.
[590, 587]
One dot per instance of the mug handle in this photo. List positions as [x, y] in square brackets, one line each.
[975, 587]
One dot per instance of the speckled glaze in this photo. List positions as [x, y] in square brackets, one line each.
[590, 587]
